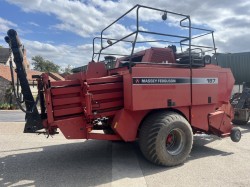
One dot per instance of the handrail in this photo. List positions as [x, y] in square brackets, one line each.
[200, 46]
[102, 48]
[116, 21]
[137, 7]
[93, 45]
[162, 34]
[134, 34]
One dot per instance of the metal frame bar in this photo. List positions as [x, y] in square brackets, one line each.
[137, 7]
[100, 38]
[102, 48]
[200, 46]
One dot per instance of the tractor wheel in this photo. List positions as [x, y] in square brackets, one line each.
[235, 134]
[166, 138]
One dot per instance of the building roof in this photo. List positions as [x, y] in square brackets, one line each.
[4, 55]
[5, 73]
[56, 76]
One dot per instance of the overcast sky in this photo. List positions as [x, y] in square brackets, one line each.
[62, 31]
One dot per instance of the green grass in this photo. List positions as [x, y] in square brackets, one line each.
[7, 106]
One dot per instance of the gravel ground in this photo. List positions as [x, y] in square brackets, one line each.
[34, 160]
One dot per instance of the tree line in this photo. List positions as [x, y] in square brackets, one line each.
[41, 64]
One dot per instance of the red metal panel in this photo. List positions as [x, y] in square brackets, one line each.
[228, 109]
[116, 70]
[67, 106]
[96, 69]
[49, 105]
[66, 96]
[107, 105]
[73, 128]
[220, 123]
[48, 99]
[104, 113]
[157, 96]
[126, 123]
[127, 84]
[110, 95]
[199, 116]
[65, 101]
[65, 83]
[65, 90]
[66, 117]
[201, 92]
[185, 111]
[107, 86]
[105, 80]
[68, 111]
[88, 101]
[226, 83]
[215, 119]
[159, 55]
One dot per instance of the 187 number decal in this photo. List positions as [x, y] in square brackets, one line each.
[211, 80]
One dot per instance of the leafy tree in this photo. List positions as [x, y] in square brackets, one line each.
[67, 69]
[40, 64]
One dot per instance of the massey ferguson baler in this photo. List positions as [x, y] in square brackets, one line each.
[157, 96]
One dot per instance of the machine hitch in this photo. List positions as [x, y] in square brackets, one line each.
[32, 117]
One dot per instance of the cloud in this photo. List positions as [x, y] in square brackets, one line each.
[133, 27]
[73, 16]
[6, 25]
[230, 21]
[33, 24]
[59, 54]
[88, 18]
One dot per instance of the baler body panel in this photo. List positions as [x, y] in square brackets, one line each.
[126, 98]
[152, 87]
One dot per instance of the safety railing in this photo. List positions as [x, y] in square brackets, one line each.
[132, 37]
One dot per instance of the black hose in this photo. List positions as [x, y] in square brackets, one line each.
[18, 100]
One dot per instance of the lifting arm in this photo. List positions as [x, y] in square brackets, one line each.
[32, 117]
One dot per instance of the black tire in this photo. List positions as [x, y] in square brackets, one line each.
[154, 138]
[235, 134]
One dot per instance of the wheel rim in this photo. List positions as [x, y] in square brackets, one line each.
[175, 141]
